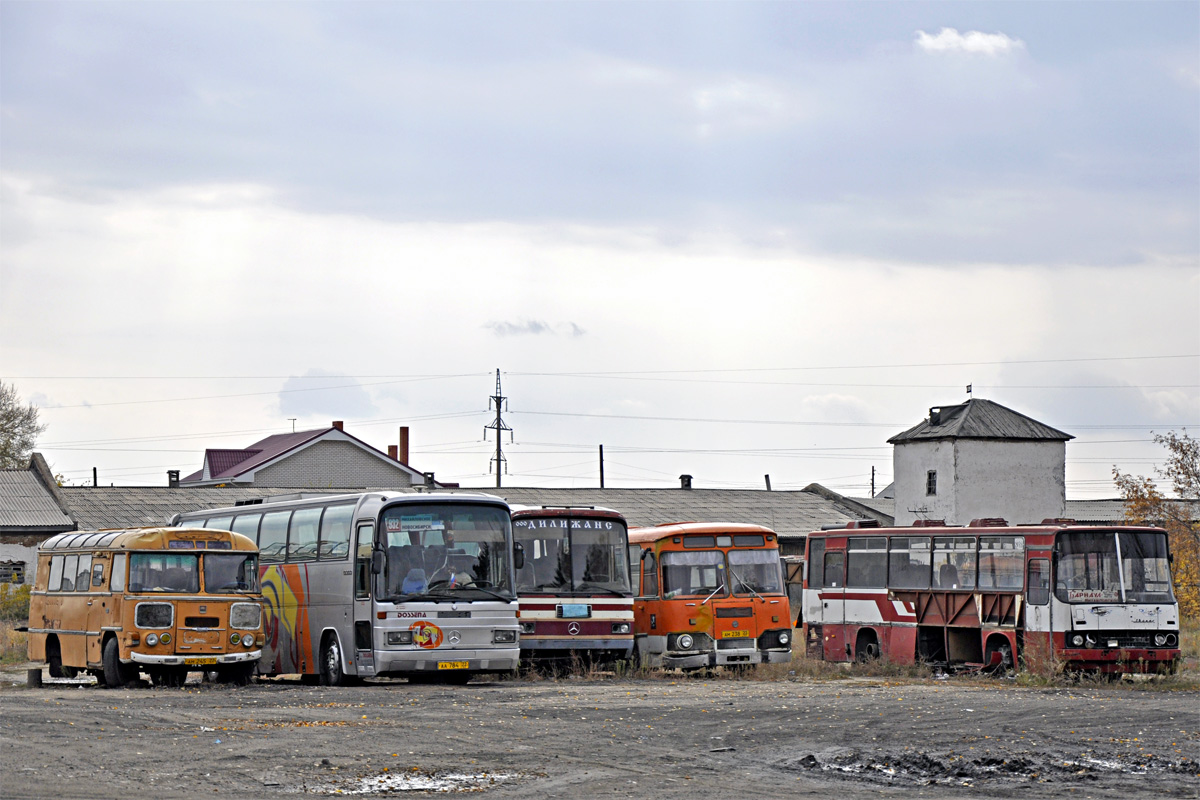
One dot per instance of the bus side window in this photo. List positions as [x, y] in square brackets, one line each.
[362, 561]
[635, 568]
[83, 577]
[70, 566]
[834, 570]
[816, 555]
[56, 573]
[1039, 581]
[97, 574]
[649, 575]
[116, 580]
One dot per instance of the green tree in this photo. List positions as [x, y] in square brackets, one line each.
[1144, 503]
[19, 428]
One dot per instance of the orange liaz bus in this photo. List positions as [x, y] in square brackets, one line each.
[709, 594]
[161, 600]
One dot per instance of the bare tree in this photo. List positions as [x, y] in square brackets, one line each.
[19, 428]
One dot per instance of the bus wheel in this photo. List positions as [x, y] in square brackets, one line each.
[331, 664]
[1006, 657]
[168, 678]
[237, 675]
[115, 673]
[866, 648]
[54, 659]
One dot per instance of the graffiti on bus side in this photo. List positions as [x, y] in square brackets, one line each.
[284, 594]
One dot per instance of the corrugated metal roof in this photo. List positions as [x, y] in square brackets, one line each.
[787, 513]
[26, 503]
[979, 419]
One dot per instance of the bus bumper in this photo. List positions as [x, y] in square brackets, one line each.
[433, 661]
[179, 661]
[1121, 661]
[776, 656]
[689, 661]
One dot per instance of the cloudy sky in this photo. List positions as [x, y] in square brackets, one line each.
[723, 239]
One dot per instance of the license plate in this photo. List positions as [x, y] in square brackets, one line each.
[452, 664]
[735, 634]
[200, 662]
[575, 611]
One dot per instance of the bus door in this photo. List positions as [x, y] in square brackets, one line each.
[833, 599]
[1037, 605]
[99, 607]
[362, 612]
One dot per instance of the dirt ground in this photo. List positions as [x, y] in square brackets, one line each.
[673, 737]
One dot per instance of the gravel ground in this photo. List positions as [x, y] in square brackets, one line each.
[657, 737]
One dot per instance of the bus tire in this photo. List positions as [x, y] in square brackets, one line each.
[236, 675]
[866, 647]
[332, 673]
[115, 673]
[54, 660]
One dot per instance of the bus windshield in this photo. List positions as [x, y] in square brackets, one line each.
[697, 572]
[164, 572]
[1113, 567]
[755, 572]
[230, 572]
[568, 555]
[445, 549]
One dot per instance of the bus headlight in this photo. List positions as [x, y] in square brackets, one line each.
[247, 640]
[784, 637]
[528, 627]
[399, 637]
[504, 637]
[165, 638]
[1171, 640]
[685, 641]
[234, 638]
[1077, 640]
[622, 627]
[151, 639]
[1160, 640]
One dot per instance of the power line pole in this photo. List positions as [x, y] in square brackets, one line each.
[499, 425]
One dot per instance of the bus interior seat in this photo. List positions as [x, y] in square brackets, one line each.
[414, 581]
[948, 577]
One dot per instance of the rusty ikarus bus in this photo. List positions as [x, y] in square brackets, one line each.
[711, 594]
[165, 601]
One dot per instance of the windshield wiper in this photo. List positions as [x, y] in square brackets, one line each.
[714, 594]
[583, 587]
[747, 586]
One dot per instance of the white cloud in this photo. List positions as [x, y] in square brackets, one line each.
[949, 40]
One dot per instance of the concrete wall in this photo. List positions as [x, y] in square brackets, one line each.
[332, 465]
[911, 461]
[21, 552]
[1018, 481]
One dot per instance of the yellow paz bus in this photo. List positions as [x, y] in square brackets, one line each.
[164, 601]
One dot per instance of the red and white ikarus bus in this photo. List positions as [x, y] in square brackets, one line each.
[1095, 598]
[575, 598]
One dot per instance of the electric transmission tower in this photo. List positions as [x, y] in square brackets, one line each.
[500, 402]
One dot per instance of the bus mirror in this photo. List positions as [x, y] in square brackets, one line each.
[377, 562]
[518, 555]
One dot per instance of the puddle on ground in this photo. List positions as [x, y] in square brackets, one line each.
[922, 769]
[415, 780]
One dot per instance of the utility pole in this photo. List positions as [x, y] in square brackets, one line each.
[601, 466]
[872, 481]
[498, 426]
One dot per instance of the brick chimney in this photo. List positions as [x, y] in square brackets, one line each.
[339, 425]
[403, 456]
[392, 452]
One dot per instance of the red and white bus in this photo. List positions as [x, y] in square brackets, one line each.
[1091, 598]
[573, 586]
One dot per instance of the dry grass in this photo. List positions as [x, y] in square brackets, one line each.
[12, 644]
